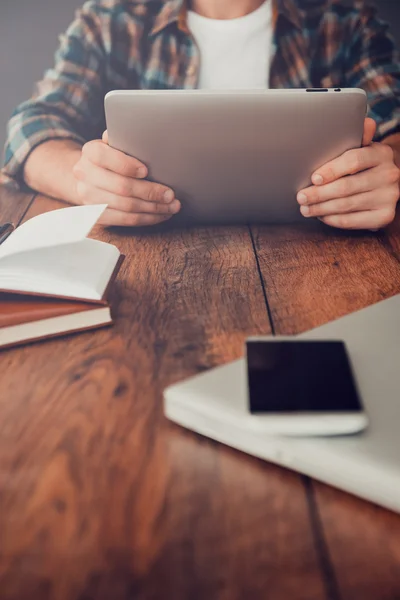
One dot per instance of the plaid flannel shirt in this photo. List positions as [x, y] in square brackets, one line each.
[146, 44]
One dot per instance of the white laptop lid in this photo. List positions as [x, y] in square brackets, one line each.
[368, 465]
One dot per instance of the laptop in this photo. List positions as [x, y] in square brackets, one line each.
[236, 156]
[366, 464]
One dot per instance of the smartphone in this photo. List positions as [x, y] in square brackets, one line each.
[303, 387]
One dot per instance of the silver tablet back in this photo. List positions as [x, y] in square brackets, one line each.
[234, 157]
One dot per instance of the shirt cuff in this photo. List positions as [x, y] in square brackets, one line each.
[387, 128]
[28, 136]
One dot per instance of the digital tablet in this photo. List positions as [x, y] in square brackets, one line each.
[236, 156]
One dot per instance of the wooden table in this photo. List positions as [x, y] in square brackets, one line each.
[101, 498]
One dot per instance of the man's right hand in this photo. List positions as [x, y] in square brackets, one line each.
[104, 175]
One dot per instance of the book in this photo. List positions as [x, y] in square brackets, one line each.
[53, 279]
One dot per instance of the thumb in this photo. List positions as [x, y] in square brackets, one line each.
[369, 131]
[105, 137]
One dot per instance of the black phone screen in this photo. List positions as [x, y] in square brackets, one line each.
[300, 376]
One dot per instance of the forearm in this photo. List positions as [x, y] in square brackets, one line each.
[48, 169]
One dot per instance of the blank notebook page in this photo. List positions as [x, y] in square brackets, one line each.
[53, 228]
[54, 257]
[79, 270]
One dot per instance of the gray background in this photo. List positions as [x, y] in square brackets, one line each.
[29, 31]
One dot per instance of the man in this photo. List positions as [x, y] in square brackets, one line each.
[54, 139]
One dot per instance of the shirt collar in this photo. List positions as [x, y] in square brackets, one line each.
[175, 11]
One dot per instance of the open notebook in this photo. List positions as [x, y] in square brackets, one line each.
[53, 279]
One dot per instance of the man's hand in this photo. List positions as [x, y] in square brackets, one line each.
[358, 190]
[106, 176]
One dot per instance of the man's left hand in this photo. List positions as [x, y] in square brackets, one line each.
[358, 190]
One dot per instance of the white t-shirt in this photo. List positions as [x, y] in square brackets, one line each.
[234, 53]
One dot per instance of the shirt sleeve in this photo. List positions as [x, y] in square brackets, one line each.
[373, 65]
[68, 102]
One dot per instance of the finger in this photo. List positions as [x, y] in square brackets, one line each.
[112, 217]
[342, 188]
[371, 219]
[369, 131]
[349, 163]
[88, 194]
[105, 137]
[359, 202]
[98, 177]
[113, 160]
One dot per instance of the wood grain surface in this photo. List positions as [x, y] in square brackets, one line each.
[13, 204]
[313, 274]
[100, 497]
